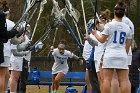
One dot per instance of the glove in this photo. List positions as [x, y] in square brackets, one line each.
[39, 45]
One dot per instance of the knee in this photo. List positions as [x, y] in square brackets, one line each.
[124, 80]
[107, 82]
[115, 82]
[7, 77]
[14, 79]
[56, 80]
[87, 80]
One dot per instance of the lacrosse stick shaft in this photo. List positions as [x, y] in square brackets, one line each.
[40, 12]
[69, 11]
[84, 16]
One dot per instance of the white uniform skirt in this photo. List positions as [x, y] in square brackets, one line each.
[129, 59]
[114, 62]
[6, 62]
[63, 71]
[97, 65]
[16, 64]
[58, 69]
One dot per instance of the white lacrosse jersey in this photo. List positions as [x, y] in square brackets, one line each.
[60, 64]
[99, 50]
[13, 58]
[86, 50]
[10, 24]
[131, 25]
[117, 33]
[7, 48]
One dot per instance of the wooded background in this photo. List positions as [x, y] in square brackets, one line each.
[16, 7]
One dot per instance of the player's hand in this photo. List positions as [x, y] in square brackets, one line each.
[87, 37]
[93, 31]
[20, 33]
[81, 62]
[52, 47]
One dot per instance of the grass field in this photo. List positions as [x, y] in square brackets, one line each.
[44, 89]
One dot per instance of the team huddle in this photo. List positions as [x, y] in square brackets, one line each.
[107, 49]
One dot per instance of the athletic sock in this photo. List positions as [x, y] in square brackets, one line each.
[55, 91]
[13, 92]
[52, 91]
[5, 91]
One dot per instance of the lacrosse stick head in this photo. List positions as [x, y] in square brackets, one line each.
[59, 18]
[43, 2]
[76, 14]
[90, 25]
[93, 23]
[72, 11]
[20, 26]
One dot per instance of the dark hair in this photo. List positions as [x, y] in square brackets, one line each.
[119, 9]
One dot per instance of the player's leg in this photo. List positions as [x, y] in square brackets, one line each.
[58, 78]
[107, 77]
[53, 83]
[3, 71]
[115, 83]
[89, 87]
[7, 76]
[4, 74]
[124, 82]
[100, 76]
[14, 77]
[24, 77]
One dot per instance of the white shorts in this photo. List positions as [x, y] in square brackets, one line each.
[129, 59]
[6, 62]
[118, 63]
[16, 64]
[97, 65]
[65, 71]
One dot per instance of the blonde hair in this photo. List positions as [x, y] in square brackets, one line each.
[107, 12]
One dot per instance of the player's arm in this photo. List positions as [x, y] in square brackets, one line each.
[128, 44]
[52, 51]
[78, 59]
[19, 54]
[129, 41]
[91, 41]
[101, 38]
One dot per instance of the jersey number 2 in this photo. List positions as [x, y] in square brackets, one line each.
[121, 38]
